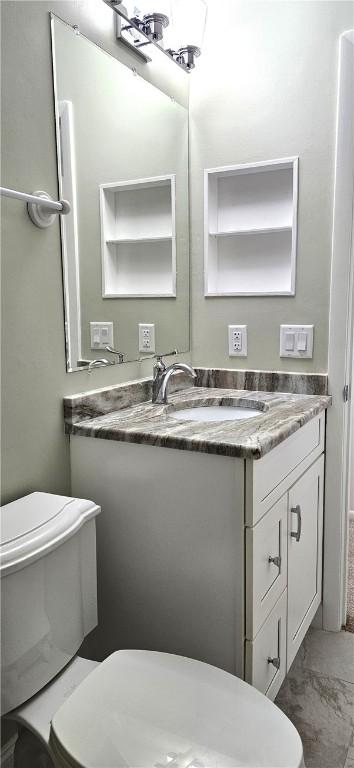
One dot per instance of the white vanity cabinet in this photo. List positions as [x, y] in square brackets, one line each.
[207, 556]
[283, 583]
[283, 553]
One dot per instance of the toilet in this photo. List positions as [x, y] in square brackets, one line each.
[136, 708]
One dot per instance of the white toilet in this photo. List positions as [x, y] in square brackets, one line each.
[136, 708]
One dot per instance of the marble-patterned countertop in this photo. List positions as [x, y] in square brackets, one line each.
[143, 422]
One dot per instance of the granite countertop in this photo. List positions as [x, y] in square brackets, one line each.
[143, 422]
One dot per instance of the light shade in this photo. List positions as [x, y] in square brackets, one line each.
[141, 8]
[187, 24]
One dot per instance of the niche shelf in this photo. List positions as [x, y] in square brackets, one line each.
[138, 238]
[250, 219]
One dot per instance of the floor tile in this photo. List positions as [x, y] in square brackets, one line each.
[330, 654]
[349, 763]
[322, 709]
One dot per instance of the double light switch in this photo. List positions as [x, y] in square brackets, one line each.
[296, 340]
[101, 334]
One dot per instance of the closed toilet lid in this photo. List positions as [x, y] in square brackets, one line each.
[142, 709]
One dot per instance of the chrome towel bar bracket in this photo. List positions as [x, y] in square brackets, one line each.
[41, 209]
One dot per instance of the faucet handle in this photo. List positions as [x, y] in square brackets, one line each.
[158, 357]
[166, 354]
[160, 366]
[120, 355]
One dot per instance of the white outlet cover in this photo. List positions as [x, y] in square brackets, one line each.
[240, 330]
[146, 337]
[101, 335]
[296, 341]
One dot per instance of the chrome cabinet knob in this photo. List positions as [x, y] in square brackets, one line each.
[276, 560]
[275, 661]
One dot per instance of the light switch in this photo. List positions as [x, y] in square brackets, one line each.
[302, 342]
[296, 341]
[101, 335]
[289, 342]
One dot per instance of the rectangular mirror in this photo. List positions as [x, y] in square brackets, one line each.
[122, 147]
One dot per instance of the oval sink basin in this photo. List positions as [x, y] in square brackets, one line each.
[215, 413]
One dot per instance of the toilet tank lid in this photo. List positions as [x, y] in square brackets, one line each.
[35, 524]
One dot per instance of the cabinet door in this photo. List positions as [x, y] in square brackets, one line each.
[305, 513]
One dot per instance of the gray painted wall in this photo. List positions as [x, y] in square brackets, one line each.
[351, 468]
[266, 90]
[35, 451]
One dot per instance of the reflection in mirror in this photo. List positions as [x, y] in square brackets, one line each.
[123, 164]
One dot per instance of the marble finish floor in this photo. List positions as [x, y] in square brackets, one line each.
[318, 697]
[350, 597]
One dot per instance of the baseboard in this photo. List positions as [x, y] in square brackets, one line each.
[317, 621]
[7, 752]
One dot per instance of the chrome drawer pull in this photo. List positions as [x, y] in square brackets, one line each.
[275, 661]
[297, 511]
[276, 560]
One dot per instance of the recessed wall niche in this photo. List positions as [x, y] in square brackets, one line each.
[138, 238]
[250, 220]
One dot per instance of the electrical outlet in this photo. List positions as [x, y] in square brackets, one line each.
[237, 340]
[101, 334]
[146, 337]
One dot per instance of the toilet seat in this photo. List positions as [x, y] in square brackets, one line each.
[144, 708]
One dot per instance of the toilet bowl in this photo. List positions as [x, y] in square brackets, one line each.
[136, 708]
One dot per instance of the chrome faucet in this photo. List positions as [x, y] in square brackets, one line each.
[100, 363]
[162, 375]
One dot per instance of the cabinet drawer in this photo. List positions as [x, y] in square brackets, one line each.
[269, 644]
[265, 476]
[265, 579]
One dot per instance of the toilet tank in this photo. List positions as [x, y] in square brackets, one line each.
[48, 589]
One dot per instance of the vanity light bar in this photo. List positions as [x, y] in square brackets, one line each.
[39, 206]
[149, 30]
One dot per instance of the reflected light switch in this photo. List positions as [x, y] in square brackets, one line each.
[101, 334]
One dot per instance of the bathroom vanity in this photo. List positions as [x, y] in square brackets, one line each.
[210, 540]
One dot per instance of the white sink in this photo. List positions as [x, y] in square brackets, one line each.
[215, 413]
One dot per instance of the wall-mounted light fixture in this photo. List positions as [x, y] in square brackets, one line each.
[152, 25]
[138, 26]
[185, 56]
[187, 25]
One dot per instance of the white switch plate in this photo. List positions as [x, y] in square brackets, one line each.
[101, 334]
[146, 337]
[237, 340]
[296, 341]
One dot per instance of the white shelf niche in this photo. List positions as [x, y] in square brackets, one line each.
[138, 238]
[250, 229]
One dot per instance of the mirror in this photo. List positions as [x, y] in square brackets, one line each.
[122, 148]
